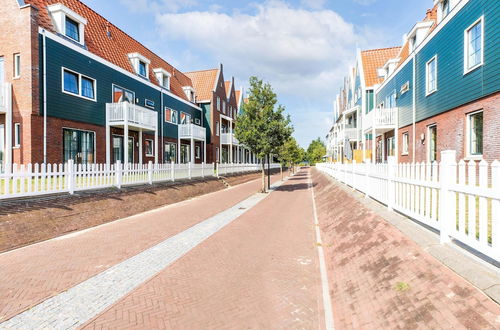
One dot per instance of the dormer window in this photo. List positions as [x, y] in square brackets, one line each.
[418, 33]
[72, 29]
[140, 64]
[190, 94]
[445, 8]
[163, 77]
[68, 23]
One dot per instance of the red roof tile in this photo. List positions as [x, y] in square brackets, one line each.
[374, 59]
[203, 82]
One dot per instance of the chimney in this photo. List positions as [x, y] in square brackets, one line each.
[428, 14]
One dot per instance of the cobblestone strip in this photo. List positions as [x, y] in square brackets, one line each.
[81, 303]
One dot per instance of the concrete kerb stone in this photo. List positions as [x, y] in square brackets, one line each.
[481, 274]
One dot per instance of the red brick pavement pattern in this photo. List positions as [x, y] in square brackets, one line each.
[380, 279]
[37, 272]
[259, 272]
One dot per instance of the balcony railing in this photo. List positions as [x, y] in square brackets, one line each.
[134, 115]
[189, 131]
[225, 138]
[384, 118]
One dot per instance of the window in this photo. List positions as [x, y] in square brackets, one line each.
[217, 129]
[142, 69]
[17, 135]
[170, 116]
[197, 152]
[149, 144]
[406, 140]
[165, 82]
[197, 121]
[123, 95]
[217, 156]
[79, 146]
[474, 44]
[17, 65]
[432, 138]
[445, 8]
[218, 103]
[72, 29]
[224, 107]
[170, 153]
[78, 85]
[431, 76]
[391, 146]
[475, 129]
[163, 77]
[185, 118]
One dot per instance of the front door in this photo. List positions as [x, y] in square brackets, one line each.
[118, 150]
[185, 153]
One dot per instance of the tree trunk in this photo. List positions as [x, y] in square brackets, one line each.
[263, 165]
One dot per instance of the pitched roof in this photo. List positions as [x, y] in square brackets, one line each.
[203, 82]
[115, 47]
[227, 85]
[374, 59]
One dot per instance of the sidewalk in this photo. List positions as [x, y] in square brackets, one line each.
[259, 271]
[380, 279]
[32, 274]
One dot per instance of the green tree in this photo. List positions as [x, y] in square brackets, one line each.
[291, 153]
[262, 127]
[315, 151]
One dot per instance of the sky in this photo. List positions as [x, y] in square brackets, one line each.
[303, 48]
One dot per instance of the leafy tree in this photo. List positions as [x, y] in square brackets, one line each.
[262, 127]
[315, 151]
[291, 153]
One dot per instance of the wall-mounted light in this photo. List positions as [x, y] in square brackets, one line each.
[422, 138]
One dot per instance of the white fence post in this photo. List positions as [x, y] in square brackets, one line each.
[150, 172]
[217, 169]
[391, 175]
[189, 170]
[203, 169]
[70, 173]
[172, 171]
[447, 202]
[118, 173]
[353, 175]
[495, 208]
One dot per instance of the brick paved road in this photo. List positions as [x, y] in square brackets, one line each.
[35, 273]
[259, 272]
[382, 280]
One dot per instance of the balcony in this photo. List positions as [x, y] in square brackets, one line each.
[352, 134]
[226, 138]
[5, 92]
[380, 120]
[117, 114]
[192, 131]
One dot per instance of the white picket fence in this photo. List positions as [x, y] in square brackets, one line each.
[460, 200]
[41, 179]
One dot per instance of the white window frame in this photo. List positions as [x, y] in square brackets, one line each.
[152, 147]
[428, 91]
[59, 12]
[468, 136]
[163, 75]
[197, 152]
[17, 66]
[468, 69]
[217, 155]
[197, 121]
[171, 117]
[217, 128]
[187, 116]
[80, 95]
[218, 103]
[135, 59]
[17, 135]
[405, 143]
[429, 142]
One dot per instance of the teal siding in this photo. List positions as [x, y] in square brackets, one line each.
[369, 101]
[74, 108]
[207, 120]
[455, 88]
[404, 102]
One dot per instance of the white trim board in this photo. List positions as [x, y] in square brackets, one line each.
[87, 53]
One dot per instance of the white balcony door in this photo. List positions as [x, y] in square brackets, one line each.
[118, 149]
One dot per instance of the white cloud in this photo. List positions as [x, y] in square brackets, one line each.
[297, 50]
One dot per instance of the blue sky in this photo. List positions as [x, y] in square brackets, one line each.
[302, 47]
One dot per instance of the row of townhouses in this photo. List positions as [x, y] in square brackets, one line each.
[74, 86]
[438, 91]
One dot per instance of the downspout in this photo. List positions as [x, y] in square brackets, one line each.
[161, 124]
[44, 97]
[414, 109]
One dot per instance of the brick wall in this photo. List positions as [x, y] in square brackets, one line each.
[452, 131]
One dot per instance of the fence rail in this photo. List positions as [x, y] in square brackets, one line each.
[43, 179]
[460, 200]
